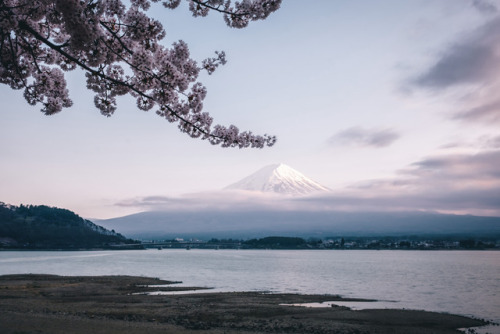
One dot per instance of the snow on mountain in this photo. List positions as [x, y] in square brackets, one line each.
[278, 178]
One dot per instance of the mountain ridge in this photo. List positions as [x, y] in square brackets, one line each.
[259, 214]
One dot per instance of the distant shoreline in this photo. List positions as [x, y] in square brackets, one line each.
[118, 304]
[245, 249]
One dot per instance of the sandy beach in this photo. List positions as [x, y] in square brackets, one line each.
[121, 304]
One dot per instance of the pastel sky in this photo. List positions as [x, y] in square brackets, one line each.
[391, 104]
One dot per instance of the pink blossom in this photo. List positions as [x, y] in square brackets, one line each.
[41, 39]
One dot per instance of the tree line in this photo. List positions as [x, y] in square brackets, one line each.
[44, 227]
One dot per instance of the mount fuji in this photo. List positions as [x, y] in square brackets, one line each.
[223, 214]
[278, 178]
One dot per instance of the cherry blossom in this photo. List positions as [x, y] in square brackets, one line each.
[118, 46]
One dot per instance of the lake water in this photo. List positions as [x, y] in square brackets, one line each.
[458, 282]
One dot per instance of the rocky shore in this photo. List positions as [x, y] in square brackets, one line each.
[121, 304]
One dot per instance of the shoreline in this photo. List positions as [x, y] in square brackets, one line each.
[144, 248]
[33, 303]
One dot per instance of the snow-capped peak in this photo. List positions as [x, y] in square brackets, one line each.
[278, 178]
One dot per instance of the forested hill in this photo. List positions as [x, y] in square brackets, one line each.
[43, 227]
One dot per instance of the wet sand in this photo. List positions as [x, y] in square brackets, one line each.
[120, 304]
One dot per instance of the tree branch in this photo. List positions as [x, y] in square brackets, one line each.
[35, 45]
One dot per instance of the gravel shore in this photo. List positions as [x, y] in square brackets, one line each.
[120, 304]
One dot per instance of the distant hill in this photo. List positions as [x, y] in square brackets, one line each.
[43, 227]
[261, 223]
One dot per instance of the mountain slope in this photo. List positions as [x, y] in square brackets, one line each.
[278, 178]
[260, 223]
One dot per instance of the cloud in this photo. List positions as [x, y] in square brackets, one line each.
[473, 60]
[488, 112]
[149, 201]
[442, 174]
[461, 183]
[470, 67]
[474, 202]
[491, 142]
[357, 136]
[452, 183]
[226, 200]
[484, 6]
[458, 171]
[485, 142]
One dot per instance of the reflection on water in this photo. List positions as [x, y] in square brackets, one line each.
[460, 282]
[37, 257]
[353, 305]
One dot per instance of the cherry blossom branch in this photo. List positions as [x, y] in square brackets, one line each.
[41, 38]
[116, 36]
[23, 25]
[238, 16]
[227, 140]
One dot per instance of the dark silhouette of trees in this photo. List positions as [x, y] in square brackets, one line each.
[43, 227]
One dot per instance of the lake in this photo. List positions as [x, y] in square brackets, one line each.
[458, 282]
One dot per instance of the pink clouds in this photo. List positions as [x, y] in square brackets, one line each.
[361, 137]
[473, 63]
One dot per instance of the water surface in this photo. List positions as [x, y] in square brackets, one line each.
[459, 282]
